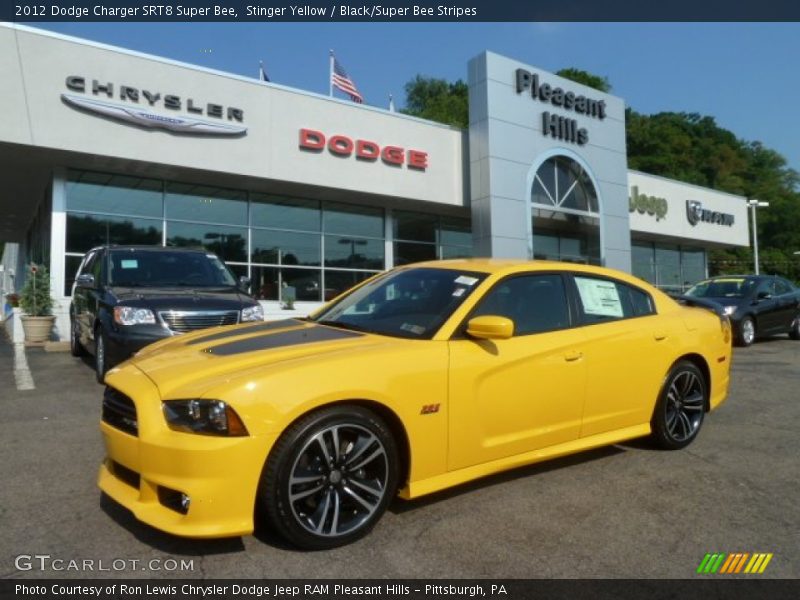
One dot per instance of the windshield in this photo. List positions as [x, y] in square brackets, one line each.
[163, 268]
[733, 287]
[410, 303]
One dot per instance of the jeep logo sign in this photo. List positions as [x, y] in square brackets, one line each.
[696, 213]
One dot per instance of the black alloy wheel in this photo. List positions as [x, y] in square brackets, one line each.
[330, 477]
[681, 407]
[75, 347]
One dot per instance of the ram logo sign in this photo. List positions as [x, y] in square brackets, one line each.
[695, 213]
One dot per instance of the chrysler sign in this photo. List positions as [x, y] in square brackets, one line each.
[136, 108]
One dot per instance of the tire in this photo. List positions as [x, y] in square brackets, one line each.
[75, 347]
[681, 407]
[746, 332]
[317, 498]
[100, 355]
[794, 332]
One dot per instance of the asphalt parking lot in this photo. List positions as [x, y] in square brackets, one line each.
[623, 511]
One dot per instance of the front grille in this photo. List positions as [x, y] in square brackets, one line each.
[183, 321]
[119, 411]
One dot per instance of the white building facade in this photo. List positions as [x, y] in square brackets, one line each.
[100, 145]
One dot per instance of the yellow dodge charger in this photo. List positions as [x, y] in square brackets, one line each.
[417, 380]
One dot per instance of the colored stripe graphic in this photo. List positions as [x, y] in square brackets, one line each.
[723, 563]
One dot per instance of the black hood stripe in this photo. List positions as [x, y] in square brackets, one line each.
[246, 330]
[293, 337]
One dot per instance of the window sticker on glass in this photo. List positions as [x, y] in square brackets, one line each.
[466, 280]
[599, 297]
[129, 264]
[458, 292]
[410, 327]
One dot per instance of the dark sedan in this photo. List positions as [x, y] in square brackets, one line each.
[758, 305]
[125, 298]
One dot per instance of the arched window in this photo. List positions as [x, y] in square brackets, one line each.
[565, 213]
[563, 184]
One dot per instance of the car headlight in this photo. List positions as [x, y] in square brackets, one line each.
[729, 310]
[211, 417]
[253, 313]
[130, 315]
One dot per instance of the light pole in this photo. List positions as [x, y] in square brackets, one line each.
[756, 204]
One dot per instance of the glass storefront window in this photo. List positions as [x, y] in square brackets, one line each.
[353, 220]
[87, 231]
[285, 213]
[337, 282]
[70, 271]
[668, 268]
[285, 248]
[229, 243]
[268, 283]
[190, 202]
[285, 232]
[455, 232]
[354, 253]
[415, 227]
[643, 262]
[115, 194]
[693, 266]
[456, 252]
[407, 252]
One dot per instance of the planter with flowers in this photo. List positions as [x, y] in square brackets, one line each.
[36, 302]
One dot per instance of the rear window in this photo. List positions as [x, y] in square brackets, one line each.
[609, 300]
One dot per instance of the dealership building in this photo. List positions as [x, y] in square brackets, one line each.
[308, 194]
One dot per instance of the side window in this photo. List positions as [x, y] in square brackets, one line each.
[766, 286]
[641, 302]
[607, 300]
[97, 267]
[86, 267]
[781, 287]
[536, 303]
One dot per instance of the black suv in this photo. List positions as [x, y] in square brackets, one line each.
[126, 297]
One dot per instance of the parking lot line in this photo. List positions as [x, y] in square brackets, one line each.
[22, 374]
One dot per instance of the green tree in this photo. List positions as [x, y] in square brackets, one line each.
[438, 100]
[579, 76]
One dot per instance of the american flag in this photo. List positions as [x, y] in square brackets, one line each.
[339, 79]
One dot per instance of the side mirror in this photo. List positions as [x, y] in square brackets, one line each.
[244, 282]
[85, 281]
[763, 296]
[490, 327]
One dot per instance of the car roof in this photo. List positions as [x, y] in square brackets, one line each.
[506, 266]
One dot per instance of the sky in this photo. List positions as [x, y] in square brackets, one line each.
[743, 74]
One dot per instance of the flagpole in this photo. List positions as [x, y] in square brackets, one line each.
[330, 76]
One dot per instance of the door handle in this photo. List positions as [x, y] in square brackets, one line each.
[660, 335]
[573, 355]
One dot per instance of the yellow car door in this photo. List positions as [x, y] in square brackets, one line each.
[627, 353]
[509, 396]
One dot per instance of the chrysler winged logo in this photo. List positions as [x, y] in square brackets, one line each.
[694, 211]
[153, 120]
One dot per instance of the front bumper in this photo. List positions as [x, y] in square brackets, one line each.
[219, 474]
[124, 343]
